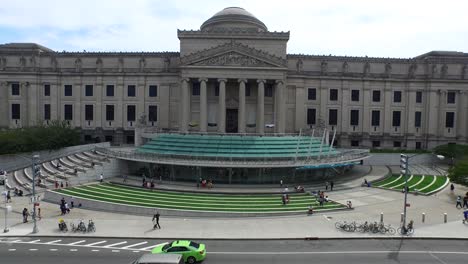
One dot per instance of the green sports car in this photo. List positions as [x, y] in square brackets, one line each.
[192, 252]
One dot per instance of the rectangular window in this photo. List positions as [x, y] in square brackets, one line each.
[131, 112]
[451, 97]
[397, 96]
[396, 118]
[333, 95]
[131, 90]
[153, 113]
[332, 117]
[354, 143]
[68, 112]
[376, 144]
[418, 97]
[196, 89]
[355, 95]
[268, 90]
[68, 90]
[109, 113]
[217, 90]
[311, 116]
[397, 144]
[247, 89]
[418, 145]
[110, 90]
[153, 91]
[130, 139]
[375, 118]
[46, 89]
[15, 111]
[89, 112]
[108, 138]
[15, 89]
[354, 118]
[312, 94]
[375, 96]
[47, 112]
[417, 119]
[89, 90]
[449, 119]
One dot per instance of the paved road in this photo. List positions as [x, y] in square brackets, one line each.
[85, 250]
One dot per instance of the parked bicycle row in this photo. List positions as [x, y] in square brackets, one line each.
[374, 227]
[80, 226]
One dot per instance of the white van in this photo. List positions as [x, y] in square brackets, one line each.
[160, 259]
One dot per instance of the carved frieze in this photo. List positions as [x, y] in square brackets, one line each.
[142, 64]
[233, 59]
[120, 66]
[167, 63]
[345, 68]
[299, 65]
[99, 65]
[388, 69]
[366, 69]
[324, 67]
[3, 63]
[78, 65]
[443, 71]
[412, 70]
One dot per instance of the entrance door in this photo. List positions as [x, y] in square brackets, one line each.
[231, 121]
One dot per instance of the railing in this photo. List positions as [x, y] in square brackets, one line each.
[149, 132]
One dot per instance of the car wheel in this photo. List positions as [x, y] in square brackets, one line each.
[191, 260]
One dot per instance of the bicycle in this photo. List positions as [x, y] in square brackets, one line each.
[406, 230]
[81, 227]
[91, 226]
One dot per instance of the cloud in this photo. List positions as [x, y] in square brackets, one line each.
[339, 27]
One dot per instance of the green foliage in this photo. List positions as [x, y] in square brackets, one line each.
[458, 154]
[54, 136]
[452, 150]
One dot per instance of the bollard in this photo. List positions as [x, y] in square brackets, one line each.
[381, 217]
[423, 217]
[402, 216]
[445, 217]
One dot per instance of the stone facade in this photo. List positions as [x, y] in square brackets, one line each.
[233, 75]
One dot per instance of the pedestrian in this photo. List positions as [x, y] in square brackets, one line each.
[8, 197]
[283, 199]
[125, 178]
[25, 215]
[156, 220]
[331, 185]
[56, 184]
[281, 183]
[349, 204]
[61, 184]
[39, 213]
[465, 201]
[72, 202]
[62, 201]
[101, 178]
[459, 199]
[67, 208]
[67, 184]
[326, 186]
[152, 185]
[321, 199]
[452, 187]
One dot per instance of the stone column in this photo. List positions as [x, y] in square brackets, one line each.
[222, 106]
[203, 105]
[281, 101]
[261, 107]
[460, 116]
[184, 105]
[4, 105]
[164, 105]
[241, 118]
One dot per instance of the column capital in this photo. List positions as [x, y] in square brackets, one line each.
[242, 80]
[279, 82]
[203, 79]
[222, 80]
[185, 79]
[261, 81]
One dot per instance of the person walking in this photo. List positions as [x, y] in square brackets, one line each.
[331, 185]
[156, 220]
[39, 213]
[281, 183]
[452, 187]
[72, 202]
[465, 201]
[326, 186]
[8, 197]
[25, 215]
[125, 178]
[459, 199]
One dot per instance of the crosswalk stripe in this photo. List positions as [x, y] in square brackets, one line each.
[134, 245]
[153, 246]
[95, 243]
[34, 241]
[55, 241]
[14, 241]
[77, 242]
[120, 243]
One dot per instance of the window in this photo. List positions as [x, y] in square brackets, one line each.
[15, 89]
[131, 109]
[47, 112]
[130, 139]
[68, 90]
[397, 96]
[15, 111]
[311, 116]
[418, 97]
[109, 113]
[88, 138]
[131, 91]
[153, 113]
[375, 118]
[68, 112]
[217, 90]
[312, 94]
[332, 117]
[153, 91]
[451, 97]
[396, 118]
[88, 90]
[449, 119]
[110, 90]
[417, 119]
[354, 118]
[247, 89]
[354, 143]
[355, 95]
[108, 138]
[376, 144]
[89, 112]
[46, 89]
[268, 90]
[333, 95]
[375, 96]
[418, 145]
[196, 89]
[397, 144]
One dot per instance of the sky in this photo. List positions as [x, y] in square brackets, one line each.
[374, 28]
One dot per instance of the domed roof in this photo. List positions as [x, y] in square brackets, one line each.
[233, 17]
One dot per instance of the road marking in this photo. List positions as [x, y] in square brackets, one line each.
[115, 250]
[136, 251]
[55, 241]
[53, 249]
[326, 217]
[111, 245]
[73, 249]
[15, 241]
[77, 242]
[34, 241]
[437, 258]
[153, 246]
[95, 250]
[95, 243]
[134, 245]
[33, 249]
[12, 249]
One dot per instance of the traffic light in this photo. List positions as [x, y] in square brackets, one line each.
[37, 170]
[403, 163]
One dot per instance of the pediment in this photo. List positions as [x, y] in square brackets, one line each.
[235, 55]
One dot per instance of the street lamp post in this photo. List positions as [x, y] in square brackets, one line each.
[6, 207]
[404, 170]
[36, 170]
